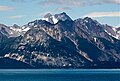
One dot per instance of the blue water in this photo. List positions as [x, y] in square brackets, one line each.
[59, 75]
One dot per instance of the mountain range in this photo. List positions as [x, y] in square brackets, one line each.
[57, 41]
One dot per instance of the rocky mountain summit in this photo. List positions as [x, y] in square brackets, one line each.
[57, 41]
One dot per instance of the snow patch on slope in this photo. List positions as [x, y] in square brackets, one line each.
[114, 29]
[117, 36]
[95, 39]
[46, 19]
[51, 18]
[54, 19]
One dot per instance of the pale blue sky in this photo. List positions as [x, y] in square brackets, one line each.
[23, 11]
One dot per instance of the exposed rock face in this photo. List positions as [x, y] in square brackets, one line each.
[82, 43]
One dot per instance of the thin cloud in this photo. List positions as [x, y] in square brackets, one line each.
[6, 8]
[70, 3]
[60, 2]
[24, 0]
[17, 0]
[78, 2]
[42, 14]
[63, 8]
[103, 14]
[16, 16]
[101, 2]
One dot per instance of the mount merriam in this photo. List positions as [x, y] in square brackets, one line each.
[57, 41]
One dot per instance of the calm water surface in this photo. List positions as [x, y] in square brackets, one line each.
[59, 75]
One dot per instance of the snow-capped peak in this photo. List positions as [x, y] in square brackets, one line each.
[50, 18]
[54, 20]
